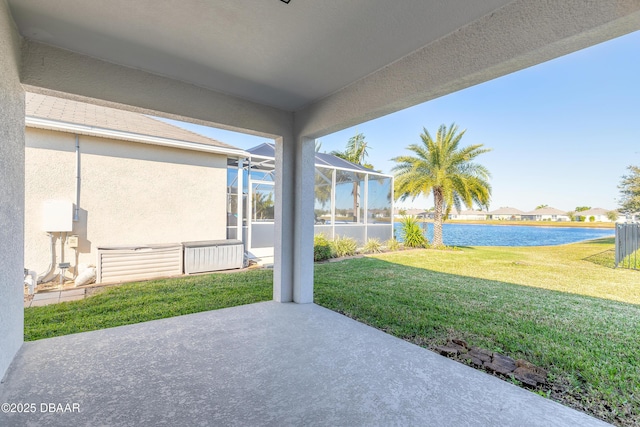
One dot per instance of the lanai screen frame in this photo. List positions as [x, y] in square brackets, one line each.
[259, 170]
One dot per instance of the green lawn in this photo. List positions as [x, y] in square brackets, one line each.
[141, 302]
[554, 306]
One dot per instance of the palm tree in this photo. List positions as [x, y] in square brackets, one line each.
[441, 167]
[355, 152]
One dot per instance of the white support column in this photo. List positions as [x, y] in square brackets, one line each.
[240, 201]
[249, 243]
[284, 220]
[304, 198]
[11, 192]
[333, 203]
[365, 209]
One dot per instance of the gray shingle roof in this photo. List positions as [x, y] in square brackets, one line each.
[546, 211]
[322, 159]
[506, 211]
[80, 113]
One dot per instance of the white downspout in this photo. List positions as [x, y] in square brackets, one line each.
[76, 217]
[52, 265]
[76, 211]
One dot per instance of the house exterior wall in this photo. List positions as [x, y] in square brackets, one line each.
[472, 217]
[545, 217]
[597, 218]
[134, 90]
[130, 194]
[599, 215]
[11, 191]
[506, 217]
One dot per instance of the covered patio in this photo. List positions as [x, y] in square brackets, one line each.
[291, 72]
[262, 364]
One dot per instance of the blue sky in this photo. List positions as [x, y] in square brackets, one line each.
[561, 133]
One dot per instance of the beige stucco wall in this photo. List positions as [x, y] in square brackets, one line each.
[130, 194]
[11, 190]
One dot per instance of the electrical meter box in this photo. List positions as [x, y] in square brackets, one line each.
[57, 216]
[72, 241]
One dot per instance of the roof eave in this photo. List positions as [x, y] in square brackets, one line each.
[49, 124]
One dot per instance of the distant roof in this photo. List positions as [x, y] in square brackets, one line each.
[593, 211]
[506, 211]
[48, 112]
[547, 211]
[263, 150]
[268, 150]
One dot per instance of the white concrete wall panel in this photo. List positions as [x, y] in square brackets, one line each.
[11, 191]
[131, 193]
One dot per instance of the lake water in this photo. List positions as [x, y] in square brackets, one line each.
[510, 235]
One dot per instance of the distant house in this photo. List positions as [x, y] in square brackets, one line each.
[546, 214]
[398, 213]
[598, 214]
[467, 215]
[97, 177]
[628, 217]
[506, 214]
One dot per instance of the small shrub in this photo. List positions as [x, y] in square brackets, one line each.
[392, 245]
[412, 233]
[592, 218]
[373, 246]
[344, 246]
[321, 248]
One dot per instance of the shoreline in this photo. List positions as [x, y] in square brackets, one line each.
[568, 224]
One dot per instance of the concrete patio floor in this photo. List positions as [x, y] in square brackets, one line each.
[260, 364]
[54, 297]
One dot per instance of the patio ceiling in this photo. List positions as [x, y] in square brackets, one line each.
[283, 55]
[247, 65]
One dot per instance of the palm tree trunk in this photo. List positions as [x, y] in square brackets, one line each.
[356, 207]
[438, 202]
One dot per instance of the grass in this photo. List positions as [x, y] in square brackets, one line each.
[141, 302]
[549, 305]
[561, 268]
[546, 305]
[607, 258]
[631, 261]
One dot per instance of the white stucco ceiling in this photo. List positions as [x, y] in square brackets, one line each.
[266, 51]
